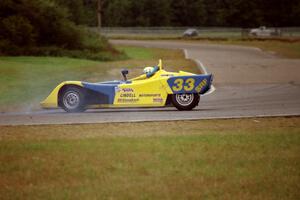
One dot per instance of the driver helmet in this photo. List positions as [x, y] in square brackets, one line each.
[148, 70]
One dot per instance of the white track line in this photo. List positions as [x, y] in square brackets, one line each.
[185, 53]
[202, 68]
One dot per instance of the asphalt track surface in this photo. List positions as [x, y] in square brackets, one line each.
[248, 82]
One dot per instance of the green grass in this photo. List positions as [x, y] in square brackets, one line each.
[207, 159]
[136, 53]
[25, 81]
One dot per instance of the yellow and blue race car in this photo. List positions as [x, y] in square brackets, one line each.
[154, 88]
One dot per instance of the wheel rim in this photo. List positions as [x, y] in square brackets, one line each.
[184, 99]
[71, 100]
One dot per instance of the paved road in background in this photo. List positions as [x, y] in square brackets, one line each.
[248, 81]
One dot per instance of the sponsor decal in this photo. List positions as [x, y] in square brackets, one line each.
[118, 89]
[149, 95]
[121, 100]
[127, 95]
[201, 85]
[126, 89]
[157, 100]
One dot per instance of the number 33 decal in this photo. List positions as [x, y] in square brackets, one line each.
[188, 85]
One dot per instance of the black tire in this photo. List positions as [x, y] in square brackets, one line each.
[72, 99]
[185, 101]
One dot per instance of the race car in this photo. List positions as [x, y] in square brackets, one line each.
[154, 88]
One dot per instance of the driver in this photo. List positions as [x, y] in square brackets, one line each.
[148, 70]
[147, 73]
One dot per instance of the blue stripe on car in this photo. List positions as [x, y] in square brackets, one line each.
[106, 89]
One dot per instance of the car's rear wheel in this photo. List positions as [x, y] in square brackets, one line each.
[72, 99]
[185, 101]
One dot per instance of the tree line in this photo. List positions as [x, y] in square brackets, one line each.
[43, 27]
[57, 27]
[228, 13]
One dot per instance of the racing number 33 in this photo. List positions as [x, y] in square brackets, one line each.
[187, 85]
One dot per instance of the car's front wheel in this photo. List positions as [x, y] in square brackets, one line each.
[185, 101]
[72, 100]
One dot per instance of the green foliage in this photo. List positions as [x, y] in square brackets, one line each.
[188, 12]
[80, 11]
[41, 27]
[18, 29]
[231, 13]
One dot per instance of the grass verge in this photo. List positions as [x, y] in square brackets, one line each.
[207, 159]
[285, 47]
[25, 81]
[282, 48]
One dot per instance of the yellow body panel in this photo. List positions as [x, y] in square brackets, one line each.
[51, 100]
[145, 92]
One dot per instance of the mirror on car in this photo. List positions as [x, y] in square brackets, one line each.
[124, 73]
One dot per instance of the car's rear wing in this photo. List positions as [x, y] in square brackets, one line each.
[190, 84]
